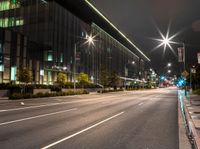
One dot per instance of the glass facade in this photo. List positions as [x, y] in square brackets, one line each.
[17, 51]
[52, 33]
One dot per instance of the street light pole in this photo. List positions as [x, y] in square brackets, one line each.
[90, 40]
[74, 67]
[125, 70]
[184, 56]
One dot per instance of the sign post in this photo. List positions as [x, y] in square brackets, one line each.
[181, 58]
[198, 57]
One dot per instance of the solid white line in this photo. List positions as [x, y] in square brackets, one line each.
[82, 131]
[34, 117]
[53, 104]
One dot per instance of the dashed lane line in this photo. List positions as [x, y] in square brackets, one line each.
[82, 131]
[34, 117]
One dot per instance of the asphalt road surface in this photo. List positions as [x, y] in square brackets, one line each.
[124, 120]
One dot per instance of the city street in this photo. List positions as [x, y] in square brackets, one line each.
[124, 120]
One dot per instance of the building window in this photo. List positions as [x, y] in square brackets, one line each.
[1, 68]
[10, 22]
[1, 48]
[19, 22]
[41, 72]
[49, 56]
[82, 34]
[13, 73]
[9, 4]
[61, 57]
[49, 77]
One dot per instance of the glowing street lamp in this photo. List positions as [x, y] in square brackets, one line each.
[133, 62]
[169, 71]
[169, 64]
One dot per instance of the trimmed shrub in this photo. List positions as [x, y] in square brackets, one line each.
[197, 91]
[15, 96]
[27, 96]
[109, 91]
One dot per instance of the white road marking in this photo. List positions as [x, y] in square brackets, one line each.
[34, 117]
[22, 103]
[53, 104]
[141, 103]
[82, 131]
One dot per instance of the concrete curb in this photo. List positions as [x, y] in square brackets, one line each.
[183, 139]
[192, 130]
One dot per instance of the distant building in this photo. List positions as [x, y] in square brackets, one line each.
[42, 34]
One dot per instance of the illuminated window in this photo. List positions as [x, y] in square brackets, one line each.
[42, 72]
[49, 77]
[19, 22]
[13, 73]
[9, 4]
[82, 34]
[1, 68]
[61, 57]
[10, 22]
[50, 56]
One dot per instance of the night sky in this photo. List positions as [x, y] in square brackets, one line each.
[139, 20]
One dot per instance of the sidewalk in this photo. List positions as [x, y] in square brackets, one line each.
[4, 99]
[190, 107]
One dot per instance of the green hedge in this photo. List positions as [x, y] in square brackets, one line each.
[68, 85]
[109, 91]
[197, 91]
[15, 96]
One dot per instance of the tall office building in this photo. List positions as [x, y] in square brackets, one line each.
[42, 34]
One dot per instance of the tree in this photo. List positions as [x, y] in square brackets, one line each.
[25, 75]
[104, 77]
[61, 78]
[113, 80]
[83, 79]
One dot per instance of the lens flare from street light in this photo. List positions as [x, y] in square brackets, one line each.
[90, 39]
[166, 40]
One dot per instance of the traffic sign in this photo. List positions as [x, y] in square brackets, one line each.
[185, 73]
